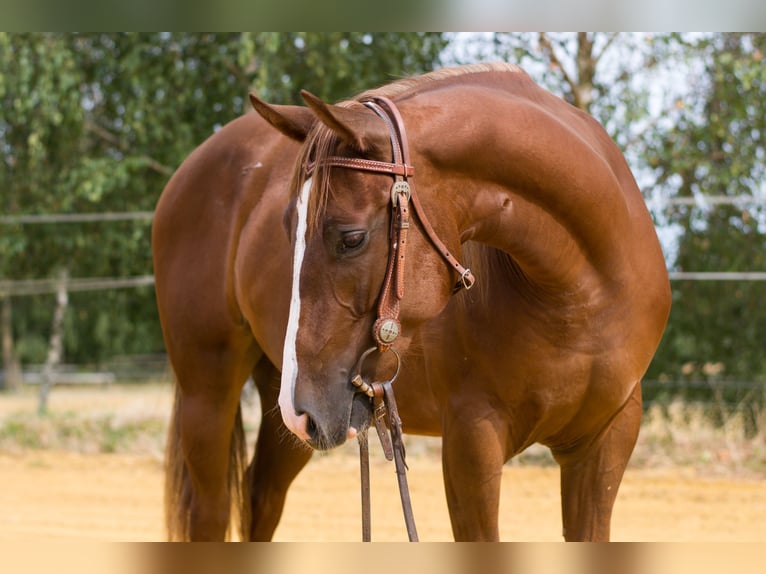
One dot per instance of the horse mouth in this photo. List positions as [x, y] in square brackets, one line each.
[361, 413]
[359, 419]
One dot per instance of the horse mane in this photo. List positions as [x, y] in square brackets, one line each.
[489, 265]
[321, 142]
[403, 86]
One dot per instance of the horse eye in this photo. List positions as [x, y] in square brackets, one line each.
[351, 241]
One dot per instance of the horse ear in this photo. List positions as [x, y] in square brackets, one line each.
[360, 129]
[293, 121]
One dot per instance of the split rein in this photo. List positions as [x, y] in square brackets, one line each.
[385, 416]
[387, 326]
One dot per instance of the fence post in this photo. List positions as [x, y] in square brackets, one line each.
[56, 342]
[11, 367]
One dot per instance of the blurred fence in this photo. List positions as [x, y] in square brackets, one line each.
[719, 400]
[124, 369]
[714, 391]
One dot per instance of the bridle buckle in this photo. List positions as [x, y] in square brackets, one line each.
[400, 187]
[467, 279]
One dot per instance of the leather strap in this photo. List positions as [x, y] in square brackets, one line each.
[466, 277]
[364, 465]
[386, 407]
[366, 165]
[387, 327]
[385, 417]
[399, 460]
[402, 194]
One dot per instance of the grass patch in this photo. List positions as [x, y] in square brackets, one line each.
[711, 438]
[106, 433]
[714, 438]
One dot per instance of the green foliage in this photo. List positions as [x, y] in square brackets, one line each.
[338, 65]
[718, 148]
[599, 72]
[98, 123]
[40, 127]
[686, 110]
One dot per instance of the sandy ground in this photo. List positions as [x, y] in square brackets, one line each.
[56, 495]
[59, 495]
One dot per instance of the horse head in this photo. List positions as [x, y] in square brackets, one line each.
[354, 284]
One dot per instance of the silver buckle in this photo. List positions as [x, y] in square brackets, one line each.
[400, 187]
[467, 283]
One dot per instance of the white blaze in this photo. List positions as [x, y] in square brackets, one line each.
[297, 424]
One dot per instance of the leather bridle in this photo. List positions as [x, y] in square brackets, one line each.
[387, 326]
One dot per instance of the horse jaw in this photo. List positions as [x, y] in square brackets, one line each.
[297, 424]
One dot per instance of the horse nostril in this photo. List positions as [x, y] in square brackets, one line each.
[314, 431]
[311, 427]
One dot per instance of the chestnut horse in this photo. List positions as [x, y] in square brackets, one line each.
[570, 302]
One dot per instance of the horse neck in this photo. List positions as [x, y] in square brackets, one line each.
[552, 192]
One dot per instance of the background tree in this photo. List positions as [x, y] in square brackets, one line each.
[40, 127]
[603, 74]
[686, 111]
[98, 122]
[716, 150]
[337, 65]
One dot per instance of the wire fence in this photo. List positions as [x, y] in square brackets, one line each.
[45, 218]
[46, 286]
[732, 393]
[719, 391]
[26, 287]
[33, 219]
[719, 401]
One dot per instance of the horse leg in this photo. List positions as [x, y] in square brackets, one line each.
[207, 408]
[474, 448]
[278, 458]
[590, 479]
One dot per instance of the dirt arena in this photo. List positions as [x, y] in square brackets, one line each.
[58, 495]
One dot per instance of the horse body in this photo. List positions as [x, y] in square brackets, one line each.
[221, 257]
[549, 347]
[576, 281]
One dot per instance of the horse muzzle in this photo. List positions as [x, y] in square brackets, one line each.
[342, 415]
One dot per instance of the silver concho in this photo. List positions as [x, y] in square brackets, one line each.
[388, 330]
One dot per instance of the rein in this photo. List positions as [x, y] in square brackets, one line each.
[385, 416]
[387, 327]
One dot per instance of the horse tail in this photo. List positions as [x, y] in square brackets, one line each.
[178, 491]
[239, 477]
[177, 482]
